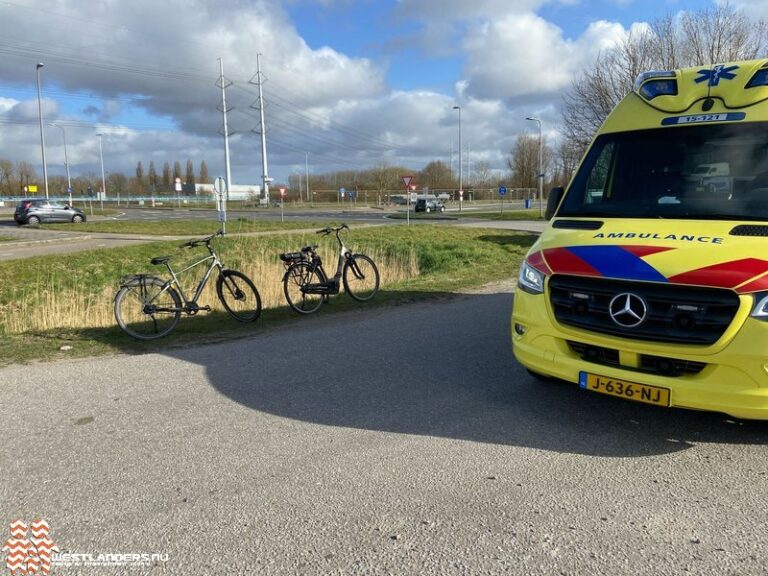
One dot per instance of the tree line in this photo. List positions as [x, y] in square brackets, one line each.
[16, 177]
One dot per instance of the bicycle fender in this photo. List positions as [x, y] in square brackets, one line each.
[137, 279]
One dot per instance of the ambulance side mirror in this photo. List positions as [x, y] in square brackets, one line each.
[553, 201]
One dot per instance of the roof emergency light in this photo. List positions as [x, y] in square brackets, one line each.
[656, 83]
[759, 79]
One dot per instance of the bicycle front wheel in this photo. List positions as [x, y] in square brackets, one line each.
[295, 282]
[145, 309]
[238, 295]
[361, 277]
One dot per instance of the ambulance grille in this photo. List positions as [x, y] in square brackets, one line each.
[660, 365]
[675, 313]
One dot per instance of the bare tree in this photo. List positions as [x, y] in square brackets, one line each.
[152, 175]
[25, 173]
[138, 182]
[483, 174]
[566, 160]
[189, 179]
[117, 182]
[166, 176]
[436, 175]
[6, 173]
[204, 178]
[524, 160]
[713, 35]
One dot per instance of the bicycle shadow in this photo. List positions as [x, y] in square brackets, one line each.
[441, 368]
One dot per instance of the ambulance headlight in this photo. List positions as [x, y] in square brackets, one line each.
[760, 307]
[530, 279]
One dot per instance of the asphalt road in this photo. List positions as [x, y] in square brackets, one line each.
[402, 440]
[29, 241]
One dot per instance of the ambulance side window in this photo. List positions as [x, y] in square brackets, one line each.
[599, 178]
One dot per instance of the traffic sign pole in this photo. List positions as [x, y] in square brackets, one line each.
[502, 193]
[220, 187]
[407, 183]
[282, 201]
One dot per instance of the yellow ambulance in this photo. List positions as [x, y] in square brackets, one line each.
[650, 281]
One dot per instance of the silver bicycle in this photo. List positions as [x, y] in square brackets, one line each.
[148, 307]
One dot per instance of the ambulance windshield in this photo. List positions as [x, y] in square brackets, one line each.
[696, 172]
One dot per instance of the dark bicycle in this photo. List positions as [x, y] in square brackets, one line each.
[148, 307]
[307, 286]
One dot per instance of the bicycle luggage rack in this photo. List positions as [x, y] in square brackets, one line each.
[136, 280]
[289, 258]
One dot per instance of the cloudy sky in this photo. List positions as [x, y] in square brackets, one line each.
[350, 82]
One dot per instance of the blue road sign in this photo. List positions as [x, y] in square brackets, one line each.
[341, 192]
[69, 189]
[502, 190]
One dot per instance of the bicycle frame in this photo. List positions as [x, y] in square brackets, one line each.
[215, 263]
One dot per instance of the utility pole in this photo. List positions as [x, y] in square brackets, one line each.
[42, 134]
[306, 172]
[259, 104]
[66, 160]
[223, 83]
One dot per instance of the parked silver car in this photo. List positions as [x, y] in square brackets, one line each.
[37, 210]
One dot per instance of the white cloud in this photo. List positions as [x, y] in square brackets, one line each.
[523, 55]
[160, 59]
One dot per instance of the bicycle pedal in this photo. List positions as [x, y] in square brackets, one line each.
[205, 308]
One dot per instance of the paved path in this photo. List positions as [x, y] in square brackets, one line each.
[403, 440]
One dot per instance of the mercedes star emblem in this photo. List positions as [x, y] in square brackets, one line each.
[627, 310]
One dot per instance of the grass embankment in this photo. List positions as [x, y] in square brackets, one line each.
[186, 227]
[507, 215]
[455, 215]
[51, 302]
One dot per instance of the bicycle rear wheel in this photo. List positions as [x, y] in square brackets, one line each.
[145, 309]
[361, 277]
[297, 278]
[238, 295]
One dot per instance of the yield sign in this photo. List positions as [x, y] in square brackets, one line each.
[406, 180]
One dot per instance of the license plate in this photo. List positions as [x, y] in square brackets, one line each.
[623, 389]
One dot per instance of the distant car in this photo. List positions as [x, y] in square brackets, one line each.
[37, 210]
[425, 205]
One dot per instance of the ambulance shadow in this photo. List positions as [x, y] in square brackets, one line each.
[443, 369]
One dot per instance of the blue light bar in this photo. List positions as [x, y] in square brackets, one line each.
[759, 79]
[654, 88]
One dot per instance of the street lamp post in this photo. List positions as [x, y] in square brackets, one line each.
[42, 134]
[461, 173]
[103, 180]
[541, 173]
[66, 160]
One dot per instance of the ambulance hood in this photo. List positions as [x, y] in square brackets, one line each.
[721, 254]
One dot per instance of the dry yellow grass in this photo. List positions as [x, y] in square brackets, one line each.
[52, 307]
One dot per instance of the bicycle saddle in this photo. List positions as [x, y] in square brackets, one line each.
[160, 260]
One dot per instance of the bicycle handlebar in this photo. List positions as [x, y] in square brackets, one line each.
[199, 241]
[328, 230]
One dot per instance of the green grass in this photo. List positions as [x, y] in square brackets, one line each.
[186, 227]
[425, 216]
[7, 239]
[70, 292]
[532, 214]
